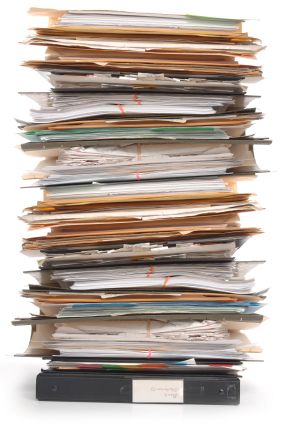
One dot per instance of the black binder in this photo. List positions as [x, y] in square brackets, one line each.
[134, 387]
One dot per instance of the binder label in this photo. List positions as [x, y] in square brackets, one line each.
[158, 391]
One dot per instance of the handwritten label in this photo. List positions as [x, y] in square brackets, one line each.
[158, 391]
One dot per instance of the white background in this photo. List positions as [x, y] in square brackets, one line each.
[261, 385]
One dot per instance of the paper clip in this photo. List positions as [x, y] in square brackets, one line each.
[121, 109]
[150, 271]
[137, 99]
[166, 281]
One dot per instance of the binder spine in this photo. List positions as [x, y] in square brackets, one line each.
[94, 387]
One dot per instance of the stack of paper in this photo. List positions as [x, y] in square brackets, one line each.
[143, 138]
